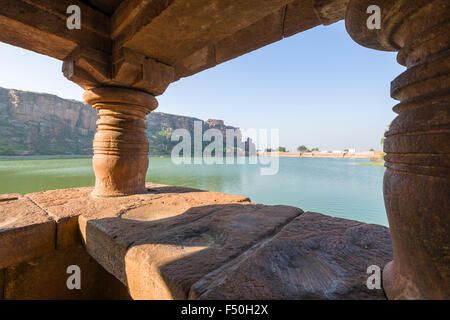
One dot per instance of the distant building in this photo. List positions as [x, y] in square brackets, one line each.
[250, 147]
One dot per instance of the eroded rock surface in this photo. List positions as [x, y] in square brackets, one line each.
[25, 231]
[313, 257]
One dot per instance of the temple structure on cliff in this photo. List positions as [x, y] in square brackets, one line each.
[161, 242]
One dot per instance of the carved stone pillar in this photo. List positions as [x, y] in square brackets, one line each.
[122, 86]
[417, 179]
[120, 145]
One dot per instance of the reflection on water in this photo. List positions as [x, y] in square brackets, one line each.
[337, 187]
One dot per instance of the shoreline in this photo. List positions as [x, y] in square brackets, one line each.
[356, 155]
[372, 155]
[45, 157]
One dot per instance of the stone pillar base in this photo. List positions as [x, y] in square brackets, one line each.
[398, 286]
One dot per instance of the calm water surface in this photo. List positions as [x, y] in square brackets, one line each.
[336, 187]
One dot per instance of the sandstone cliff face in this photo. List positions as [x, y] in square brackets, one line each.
[218, 124]
[162, 121]
[43, 124]
[32, 123]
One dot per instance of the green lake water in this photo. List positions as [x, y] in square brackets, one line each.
[336, 187]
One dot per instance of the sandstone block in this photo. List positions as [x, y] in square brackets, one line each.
[26, 232]
[313, 257]
[163, 245]
[64, 206]
[58, 205]
[162, 207]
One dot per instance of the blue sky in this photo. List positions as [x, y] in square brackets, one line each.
[319, 88]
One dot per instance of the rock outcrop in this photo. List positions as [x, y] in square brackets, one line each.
[217, 124]
[32, 123]
[43, 124]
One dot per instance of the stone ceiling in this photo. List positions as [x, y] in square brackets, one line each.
[147, 44]
[106, 6]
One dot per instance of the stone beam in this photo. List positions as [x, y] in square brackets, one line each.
[417, 179]
[106, 6]
[205, 33]
[92, 19]
[132, 15]
[183, 27]
[330, 11]
[40, 26]
[300, 16]
[292, 18]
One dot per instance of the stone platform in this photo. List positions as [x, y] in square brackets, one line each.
[180, 243]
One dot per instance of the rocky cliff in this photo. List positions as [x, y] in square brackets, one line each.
[34, 123]
[43, 124]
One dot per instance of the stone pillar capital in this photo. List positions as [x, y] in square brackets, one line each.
[122, 97]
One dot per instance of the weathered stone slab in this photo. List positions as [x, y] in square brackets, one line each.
[57, 204]
[26, 232]
[313, 257]
[46, 278]
[64, 206]
[161, 248]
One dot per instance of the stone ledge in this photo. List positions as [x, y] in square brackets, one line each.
[26, 232]
[313, 257]
[65, 205]
[159, 219]
[166, 263]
